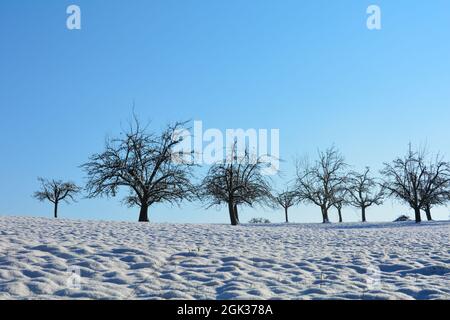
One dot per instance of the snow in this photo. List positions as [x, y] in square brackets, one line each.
[41, 258]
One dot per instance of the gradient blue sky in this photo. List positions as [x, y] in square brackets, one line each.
[309, 68]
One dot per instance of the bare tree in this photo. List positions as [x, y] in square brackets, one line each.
[146, 164]
[236, 181]
[413, 181]
[286, 199]
[341, 200]
[56, 191]
[320, 182]
[435, 185]
[364, 191]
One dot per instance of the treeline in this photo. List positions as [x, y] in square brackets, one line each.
[148, 165]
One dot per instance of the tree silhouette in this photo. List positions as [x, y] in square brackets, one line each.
[286, 199]
[146, 164]
[364, 191]
[435, 186]
[320, 183]
[236, 181]
[340, 200]
[56, 191]
[415, 182]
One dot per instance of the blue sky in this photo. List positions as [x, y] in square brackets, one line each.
[310, 68]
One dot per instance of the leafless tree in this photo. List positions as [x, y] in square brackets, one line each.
[146, 164]
[364, 191]
[286, 199]
[435, 186]
[56, 191]
[341, 200]
[417, 183]
[236, 181]
[320, 182]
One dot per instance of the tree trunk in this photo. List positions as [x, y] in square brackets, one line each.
[325, 214]
[236, 213]
[417, 214]
[363, 214]
[286, 214]
[56, 210]
[428, 213]
[340, 214]
[143, 214]
[234, 221]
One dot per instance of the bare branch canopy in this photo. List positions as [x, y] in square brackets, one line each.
[144, 163]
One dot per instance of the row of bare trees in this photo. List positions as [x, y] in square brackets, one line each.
[416, 180]
[152, 171]
[327, 183]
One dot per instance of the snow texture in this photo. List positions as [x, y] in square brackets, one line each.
[64, 259]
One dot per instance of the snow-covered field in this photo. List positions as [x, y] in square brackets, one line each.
[118, 260]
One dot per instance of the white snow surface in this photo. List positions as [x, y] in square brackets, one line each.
[124, 260]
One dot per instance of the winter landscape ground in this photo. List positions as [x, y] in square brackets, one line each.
[123, 260]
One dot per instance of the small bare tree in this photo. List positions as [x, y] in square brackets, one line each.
[341, 200]
[56, 191]
[364, 191]
[320, 182]
[146, 164]
[236, 181]
[413, 181]
[286, 199]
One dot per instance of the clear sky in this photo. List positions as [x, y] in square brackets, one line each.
[310, 68]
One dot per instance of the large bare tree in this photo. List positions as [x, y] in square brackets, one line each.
[146, 164]
[56, 191]
[364, 191]
[237, 180]
[319, 183]
[415, 182]
[286, 199]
